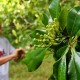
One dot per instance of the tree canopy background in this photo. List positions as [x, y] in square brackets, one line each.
[20, 18]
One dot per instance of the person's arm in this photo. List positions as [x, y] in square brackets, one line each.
[6, 59]
[14, 55]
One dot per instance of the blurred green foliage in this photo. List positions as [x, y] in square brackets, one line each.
[20, 17]
[43, 23]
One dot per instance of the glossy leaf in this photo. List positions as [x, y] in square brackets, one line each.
[34, 58]
[40, 31]
[74, 66]
[78, 53]
[63, 17]
[62, 69]
[77, 65]
[59, 68]
[73, 21]
[71, 70]
[60, 52]
[55, 69]
[54, 9]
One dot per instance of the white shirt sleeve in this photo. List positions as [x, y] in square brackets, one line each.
[10, 47]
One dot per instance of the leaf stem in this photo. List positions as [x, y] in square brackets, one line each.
[72, 42]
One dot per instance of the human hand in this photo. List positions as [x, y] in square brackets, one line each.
[18, 53]
[21, 53]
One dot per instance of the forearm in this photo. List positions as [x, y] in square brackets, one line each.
[6, 59]
[14, 55]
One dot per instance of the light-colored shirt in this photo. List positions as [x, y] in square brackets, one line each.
[5, 49]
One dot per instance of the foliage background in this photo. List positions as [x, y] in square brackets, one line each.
[20, 18]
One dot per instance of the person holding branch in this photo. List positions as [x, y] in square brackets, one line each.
[7, 53]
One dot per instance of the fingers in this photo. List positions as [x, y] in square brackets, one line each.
[22, 56]
[21, 49]
[21, 52]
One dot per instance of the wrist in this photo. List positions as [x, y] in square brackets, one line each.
[12, 56]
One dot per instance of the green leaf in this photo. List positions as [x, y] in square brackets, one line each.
[74, 66]
[63, 17]
[78, 33]
[54, 9]
[51, 77]
[62, 69]
[71, 70]
[77, 65]
[45, 18]
[40, 31]
[33, 34]
[73, 21]
[14, 33]
[59, 68]
[78, 54]
[60, 52]
[55, 70]
[34, 58]
[37, 32]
